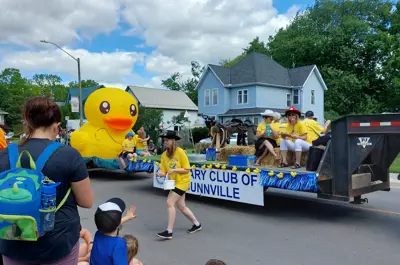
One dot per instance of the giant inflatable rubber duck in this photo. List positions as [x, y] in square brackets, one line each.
[111, 113]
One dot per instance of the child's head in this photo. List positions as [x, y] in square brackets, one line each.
[215, 262]
[133, 246]
[108, 215]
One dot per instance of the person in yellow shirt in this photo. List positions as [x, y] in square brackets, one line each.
[280, 126]
[314, 129]
[128, 146]
[141, 143]
[3, 141]
[267, 135]
[175, 164]
[295, 138]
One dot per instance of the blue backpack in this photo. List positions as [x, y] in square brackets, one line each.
[27, 197]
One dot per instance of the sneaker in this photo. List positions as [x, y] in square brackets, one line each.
[165, 235]
[194, 229]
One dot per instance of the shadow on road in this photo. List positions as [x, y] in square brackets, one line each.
[107, 175]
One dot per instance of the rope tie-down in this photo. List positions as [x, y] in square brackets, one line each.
[289, 180]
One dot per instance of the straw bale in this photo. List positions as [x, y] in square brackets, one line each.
[200, 146]
[235, 150]
[268, 161]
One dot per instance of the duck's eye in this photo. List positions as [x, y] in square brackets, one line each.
[105, 107]
[133, 110]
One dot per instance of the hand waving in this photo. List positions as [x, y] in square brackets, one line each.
[130, 214]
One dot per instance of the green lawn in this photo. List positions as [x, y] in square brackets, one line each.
[395, 168]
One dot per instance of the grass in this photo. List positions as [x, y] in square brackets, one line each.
[395, 167]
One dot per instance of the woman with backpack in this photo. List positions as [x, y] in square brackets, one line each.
[62, 165]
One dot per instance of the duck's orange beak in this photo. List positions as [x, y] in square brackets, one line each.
[118, 123]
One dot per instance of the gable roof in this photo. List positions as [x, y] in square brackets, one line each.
[161, 98]
[2, 112]
[74, 92]
[258, 68]
[249, 111]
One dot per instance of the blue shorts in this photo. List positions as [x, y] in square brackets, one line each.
[140, 151]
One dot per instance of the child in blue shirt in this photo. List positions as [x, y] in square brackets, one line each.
[108, 247]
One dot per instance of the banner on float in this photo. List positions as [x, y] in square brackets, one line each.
[223, 184]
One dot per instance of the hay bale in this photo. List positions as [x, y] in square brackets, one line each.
[200, 146]
[269, 160]
[235, 150]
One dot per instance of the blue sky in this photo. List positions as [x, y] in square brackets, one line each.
[139, 43]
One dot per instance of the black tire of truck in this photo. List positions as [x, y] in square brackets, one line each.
[398, 177]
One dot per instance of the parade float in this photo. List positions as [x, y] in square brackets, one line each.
[355, 161]
[111, 113]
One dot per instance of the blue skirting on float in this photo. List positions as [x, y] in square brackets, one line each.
[296, 181]
[112, 164]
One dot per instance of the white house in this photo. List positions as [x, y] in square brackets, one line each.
[171, 102]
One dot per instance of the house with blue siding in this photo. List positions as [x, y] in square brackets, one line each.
[256, 83]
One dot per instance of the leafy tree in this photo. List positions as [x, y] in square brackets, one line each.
[84, 83]
[356, 46]
[179, 119]
[14, 90]
[174, 82]
[256, 45]
[150, 120]
[49, 84]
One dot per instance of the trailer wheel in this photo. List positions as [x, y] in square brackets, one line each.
[359, 200]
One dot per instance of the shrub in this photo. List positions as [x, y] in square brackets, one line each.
[199, 133]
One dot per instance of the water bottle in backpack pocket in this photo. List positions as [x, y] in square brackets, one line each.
[27, 197]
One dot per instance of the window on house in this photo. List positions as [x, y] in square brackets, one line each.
[255, 120]
[295, 97]
[215, 96]
[288, 100]
[242, 96]
[313, 96]
[207, 97]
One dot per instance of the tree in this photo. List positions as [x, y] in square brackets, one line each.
[254, 46]
[174, 82]
[150, 120]
[84, 83]
[49, 84]
[355, 45]
[179, 119]
[15, 89]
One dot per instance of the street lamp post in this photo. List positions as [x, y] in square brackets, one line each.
[79, 79]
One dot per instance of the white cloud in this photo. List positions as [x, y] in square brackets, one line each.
[102, 67]
[25, 22]
[203, 30]
[180, 31]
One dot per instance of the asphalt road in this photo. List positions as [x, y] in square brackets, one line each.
[292, 229]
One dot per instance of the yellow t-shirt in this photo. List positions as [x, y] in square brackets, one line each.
[179, 160]
[298, 129]
[140, 145]
[314, 129]
[280, 127]
[129, 144]
[3, 141]
[262, 126]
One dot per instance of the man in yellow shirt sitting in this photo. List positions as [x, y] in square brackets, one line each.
[314, 129]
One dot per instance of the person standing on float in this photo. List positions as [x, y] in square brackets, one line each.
[175, 164]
